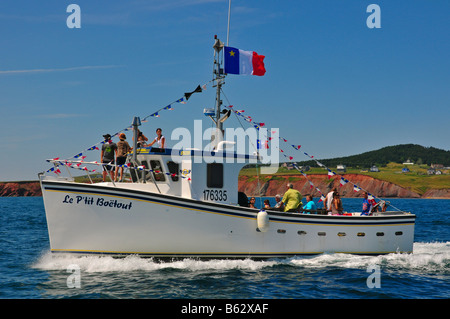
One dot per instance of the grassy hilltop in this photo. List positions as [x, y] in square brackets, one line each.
[389, 161]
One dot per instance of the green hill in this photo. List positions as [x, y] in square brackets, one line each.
[390, 154]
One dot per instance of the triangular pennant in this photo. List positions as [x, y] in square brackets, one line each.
[330, 173]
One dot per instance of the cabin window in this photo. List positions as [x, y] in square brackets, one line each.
[398, 233]
[301, 232]
[173, 170]
[214, 175]
[341, 234]
[361, 234]
[322, 233]
[281, 231]
[158, 171]
[380, 234]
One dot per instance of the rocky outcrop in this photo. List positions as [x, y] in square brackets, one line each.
[16, 189]
[272, 185]
[437, 193]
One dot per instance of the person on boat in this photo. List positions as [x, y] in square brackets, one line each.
[252, 202]
[292, 199]
[160, 140]
[142, 139]
[279, 205]
[336, 205]
[328, 200]
[310, 205]
[107, 156]
[367, 205]
[123, 148]
[266, 204]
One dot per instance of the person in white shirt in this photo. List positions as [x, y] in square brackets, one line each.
[160, 140]
[328, 200]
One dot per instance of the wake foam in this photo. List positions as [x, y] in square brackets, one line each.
[426, 257]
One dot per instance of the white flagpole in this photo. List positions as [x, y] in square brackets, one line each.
[228, 29]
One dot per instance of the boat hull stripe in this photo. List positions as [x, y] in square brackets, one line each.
[211, 255]
[210, 207]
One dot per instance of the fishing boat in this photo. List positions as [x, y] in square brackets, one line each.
[185, 203]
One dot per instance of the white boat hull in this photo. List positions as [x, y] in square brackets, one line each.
[95, 219]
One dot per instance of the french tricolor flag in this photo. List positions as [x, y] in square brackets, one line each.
[243, 62]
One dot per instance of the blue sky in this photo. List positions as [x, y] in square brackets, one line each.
[332, 85]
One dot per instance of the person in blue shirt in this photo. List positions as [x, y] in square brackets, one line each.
[367, 206]
[310, 205]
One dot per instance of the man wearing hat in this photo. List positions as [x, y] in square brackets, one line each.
[122, 150]
[108, 154]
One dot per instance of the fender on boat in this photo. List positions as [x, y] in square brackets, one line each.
[263, 220]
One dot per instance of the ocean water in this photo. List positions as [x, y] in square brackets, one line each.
[29, 271]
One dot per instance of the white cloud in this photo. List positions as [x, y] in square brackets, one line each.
[60, 116]
[29, 71]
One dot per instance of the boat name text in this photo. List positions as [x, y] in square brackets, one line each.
[89, 200]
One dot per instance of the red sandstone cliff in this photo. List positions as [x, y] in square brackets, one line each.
[13, 189]
[272, 185]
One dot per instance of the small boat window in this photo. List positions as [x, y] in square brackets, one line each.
[281, 231]
[342, 234]
[398, 233]
[380, 234]
[214, 175]
[301, 232]
[173, 170]
[158, 171]
[361, 234]
[322, 233]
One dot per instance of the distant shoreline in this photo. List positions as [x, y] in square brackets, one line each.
[276, 184]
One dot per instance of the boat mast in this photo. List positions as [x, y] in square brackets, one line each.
[219, 79]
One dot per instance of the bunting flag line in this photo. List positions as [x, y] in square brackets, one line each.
[75, 165]
[312, 186]
[182, 100]
[343, 181]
